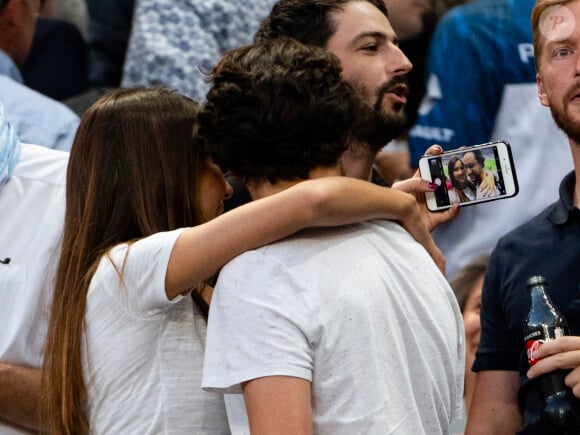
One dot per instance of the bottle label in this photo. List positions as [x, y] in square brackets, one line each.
[536, 338]
[531, 347]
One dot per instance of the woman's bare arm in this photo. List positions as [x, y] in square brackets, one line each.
[201, 251]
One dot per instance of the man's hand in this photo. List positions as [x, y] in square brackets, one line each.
[487, 185]
[415, 225]
[562, 353]
[417, 186]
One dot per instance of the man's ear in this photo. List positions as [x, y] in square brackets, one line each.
[542, 91]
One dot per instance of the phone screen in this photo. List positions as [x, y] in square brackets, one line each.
[470, 175]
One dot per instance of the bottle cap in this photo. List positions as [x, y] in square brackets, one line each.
[536, 280]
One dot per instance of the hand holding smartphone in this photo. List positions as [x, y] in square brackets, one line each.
[470, 175]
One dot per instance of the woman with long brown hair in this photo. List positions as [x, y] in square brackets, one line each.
[462, 190]
[125, 341]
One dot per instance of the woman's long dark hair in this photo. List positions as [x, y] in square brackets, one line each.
[132, 172]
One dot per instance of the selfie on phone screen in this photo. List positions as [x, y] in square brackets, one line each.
[470, 175]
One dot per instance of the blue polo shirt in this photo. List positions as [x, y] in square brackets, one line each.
[548, 245]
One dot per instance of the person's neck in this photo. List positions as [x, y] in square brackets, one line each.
[358, 160]
[264, 188]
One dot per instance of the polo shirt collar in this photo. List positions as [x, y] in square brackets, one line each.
[564, 209]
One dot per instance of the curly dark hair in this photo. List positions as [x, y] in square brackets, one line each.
[307, 21]
[277, 110]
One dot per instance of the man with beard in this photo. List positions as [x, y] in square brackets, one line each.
[359, 33]
[474, 163]
[506, 397]
[321, 340]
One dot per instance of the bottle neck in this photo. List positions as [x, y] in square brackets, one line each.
[542, 309]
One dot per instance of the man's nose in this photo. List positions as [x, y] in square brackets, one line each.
[400, 64]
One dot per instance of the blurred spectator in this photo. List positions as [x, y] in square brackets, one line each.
[108, 35]
[32, 197]
[57, 63]
[467, 285]
[173, 42]
[35, 117]
[442, 6]
[72, 11]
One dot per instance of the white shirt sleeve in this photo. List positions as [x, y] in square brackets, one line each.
[134, 274]
[261, 323]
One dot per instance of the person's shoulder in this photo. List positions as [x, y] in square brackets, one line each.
[528, 232]
[393, 239]
[42, 164]
[23, 96]
[304, 243]
[35, 116]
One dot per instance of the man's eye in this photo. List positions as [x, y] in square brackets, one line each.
[562, 52]
[371, 48]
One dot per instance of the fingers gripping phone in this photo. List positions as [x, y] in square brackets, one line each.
[470, 175]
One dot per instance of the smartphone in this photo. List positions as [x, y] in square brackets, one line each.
[470, 175]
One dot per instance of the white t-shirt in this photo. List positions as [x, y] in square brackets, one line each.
[453, 197]
[144, 353]
[31, 221]
[360, 311]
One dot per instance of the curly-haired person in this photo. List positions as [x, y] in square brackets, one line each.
[351, 330]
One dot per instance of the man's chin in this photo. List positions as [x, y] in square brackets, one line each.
[568, 124]
[377, 127]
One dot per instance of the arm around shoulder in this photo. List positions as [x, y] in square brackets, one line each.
[201, 251]
[343, 200]
[494, 408]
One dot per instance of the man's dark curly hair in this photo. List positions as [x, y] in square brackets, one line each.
[307, 21]
[277, 110]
